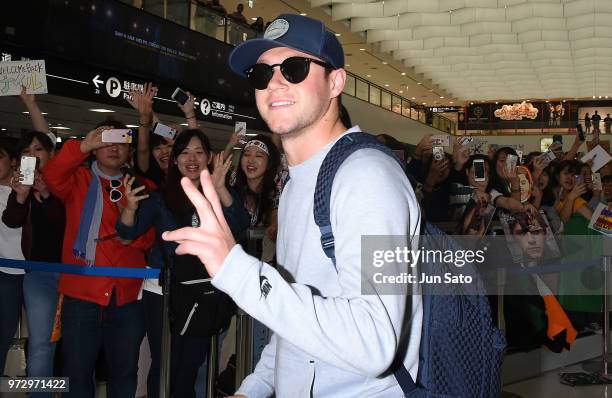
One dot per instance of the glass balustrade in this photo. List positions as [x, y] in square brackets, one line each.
[211, 21]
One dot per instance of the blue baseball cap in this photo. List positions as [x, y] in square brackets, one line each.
[293, 31]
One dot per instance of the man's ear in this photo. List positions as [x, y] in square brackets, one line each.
[337, 80]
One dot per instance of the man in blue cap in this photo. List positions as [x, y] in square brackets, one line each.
[330, 339]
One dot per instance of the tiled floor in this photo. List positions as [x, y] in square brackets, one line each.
[548, 386]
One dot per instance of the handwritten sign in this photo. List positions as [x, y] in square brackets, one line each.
[30, 74]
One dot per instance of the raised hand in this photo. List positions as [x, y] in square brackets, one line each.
[578, 189]
[22, 191]
[40, 186]
[27, 99]
[212, 241]
[188, 106]
[423, 147]
[143, 102]
[460, 154]
[93, 140]
[132, 198]
[221, 167]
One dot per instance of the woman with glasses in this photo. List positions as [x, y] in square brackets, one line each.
[42, 217]
[167, 209]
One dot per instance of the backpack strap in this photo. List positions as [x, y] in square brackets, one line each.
[342, 149]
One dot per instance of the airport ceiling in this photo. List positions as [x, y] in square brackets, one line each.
[437, 51]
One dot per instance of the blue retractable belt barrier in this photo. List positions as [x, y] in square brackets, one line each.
[117, 272]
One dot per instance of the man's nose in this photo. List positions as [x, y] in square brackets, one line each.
[278, 80]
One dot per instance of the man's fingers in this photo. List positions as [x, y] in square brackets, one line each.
[193, 248]
[211, 194]
[205, 212]
[181, 235]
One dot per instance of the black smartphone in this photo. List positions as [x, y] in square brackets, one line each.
[558, 138]
[580, 132]
[180, 96]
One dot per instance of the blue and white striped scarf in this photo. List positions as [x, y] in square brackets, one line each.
[91, 217]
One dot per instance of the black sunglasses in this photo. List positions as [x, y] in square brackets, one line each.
[294, 69]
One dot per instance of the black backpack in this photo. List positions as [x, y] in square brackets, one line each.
[197, 308]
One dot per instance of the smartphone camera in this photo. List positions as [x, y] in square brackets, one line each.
[438, 153]
[479, 170]
[580, 132]
[180, 96]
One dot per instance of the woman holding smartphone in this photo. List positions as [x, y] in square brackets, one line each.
[168, 209]
[42, 219]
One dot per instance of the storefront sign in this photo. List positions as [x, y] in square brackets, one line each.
[517, 111]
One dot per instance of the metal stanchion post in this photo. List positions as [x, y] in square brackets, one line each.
[244, 323]
[164, 371]
[213, 368]
[602, 365]
[243, 346]
[501, 321]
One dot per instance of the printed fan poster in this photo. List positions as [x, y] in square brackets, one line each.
[602, 220]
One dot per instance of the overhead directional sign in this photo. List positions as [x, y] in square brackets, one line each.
[96, 80]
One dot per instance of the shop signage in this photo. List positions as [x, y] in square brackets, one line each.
[517, 111]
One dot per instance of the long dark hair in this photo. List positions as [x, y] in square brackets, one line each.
[264, 199]
[177, 202]
[27, 138]
[548, 194]
[498, 183]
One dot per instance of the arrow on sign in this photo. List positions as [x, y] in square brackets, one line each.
[97, 81]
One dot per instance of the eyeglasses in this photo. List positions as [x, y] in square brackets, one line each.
[115, 194]
[294, 69]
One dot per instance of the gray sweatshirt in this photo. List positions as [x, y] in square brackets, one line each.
[329, 340]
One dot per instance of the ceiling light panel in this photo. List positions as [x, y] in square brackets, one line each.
[554, 46]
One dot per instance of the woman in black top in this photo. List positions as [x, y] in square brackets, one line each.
[42, 217]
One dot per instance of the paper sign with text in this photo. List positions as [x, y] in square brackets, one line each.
[30, 74]
[599, 156]
[601, 221]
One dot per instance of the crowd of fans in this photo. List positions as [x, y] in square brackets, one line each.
[99, 203]
[237, 19]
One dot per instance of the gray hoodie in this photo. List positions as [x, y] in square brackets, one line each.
[329, 340]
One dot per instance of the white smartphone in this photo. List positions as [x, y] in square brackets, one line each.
[240, 130]
[117, 136]
[180, 96]
[164, 131]
[511, 162]
[548, 157]
[479, 170]
[597, 185]
[27, 167]
[440, 140]
[520, 156]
